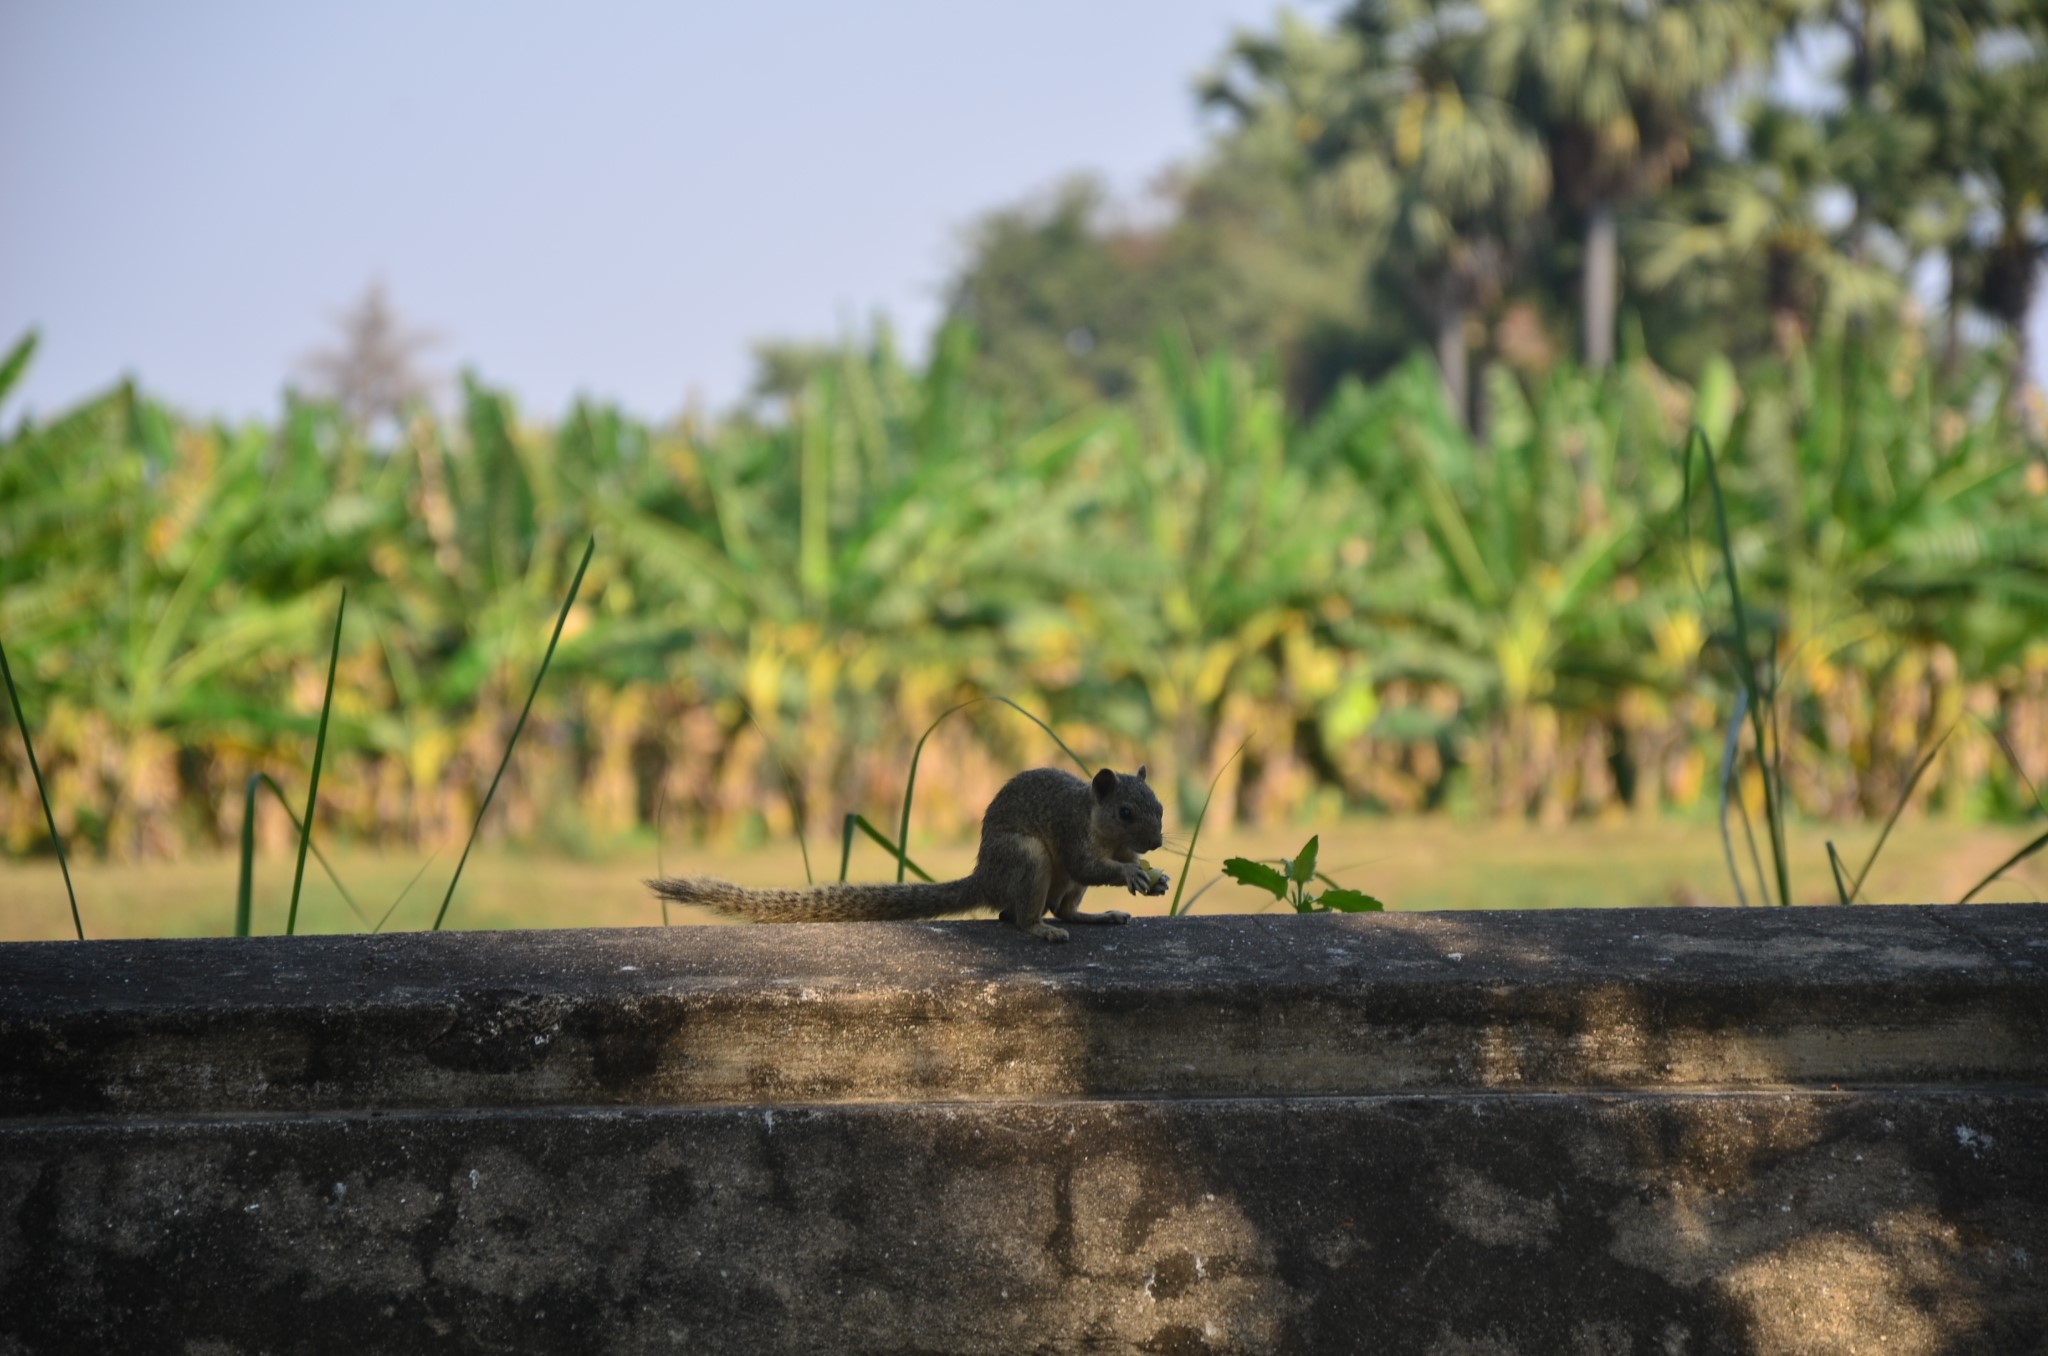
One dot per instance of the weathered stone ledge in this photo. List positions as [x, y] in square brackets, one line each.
[1677, 1131]
[1259, 1006]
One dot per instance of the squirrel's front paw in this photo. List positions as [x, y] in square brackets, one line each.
[1141, 879]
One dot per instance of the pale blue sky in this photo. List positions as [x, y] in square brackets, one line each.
[612, 198]
[604, 197]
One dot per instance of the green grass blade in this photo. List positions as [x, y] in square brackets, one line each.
[1774, 778]
[1919, 771]
[2013, 760]
[1842, 890]
[244, 888]
[1174, 910]
[2031, 848]
[291, 923]
[1756, 862]
[846, 828]
[2008, 864]
[910, 786]
[513, 742]
[35, 768]
[385, 917]
[860, 822]
[797, 817]
[1746, 666]
[660, 807]
[1692, 573]
[1207, 886]
[1728, 747]
[245, 883]
[910, 782]
[1075, 758]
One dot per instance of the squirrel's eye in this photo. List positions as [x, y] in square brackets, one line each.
[1123, 812]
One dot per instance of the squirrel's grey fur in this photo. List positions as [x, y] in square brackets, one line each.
[1045, 838]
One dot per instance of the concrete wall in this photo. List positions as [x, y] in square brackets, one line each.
[1599, 1132]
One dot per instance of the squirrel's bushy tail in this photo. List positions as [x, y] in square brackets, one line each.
[834, 903]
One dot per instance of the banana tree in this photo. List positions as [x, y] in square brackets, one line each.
[1513, 557]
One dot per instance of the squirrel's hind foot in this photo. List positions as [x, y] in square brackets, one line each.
[1109, 916]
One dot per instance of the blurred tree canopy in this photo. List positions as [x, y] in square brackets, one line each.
[1510, 180]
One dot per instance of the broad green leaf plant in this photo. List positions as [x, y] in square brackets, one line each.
[1291, 883]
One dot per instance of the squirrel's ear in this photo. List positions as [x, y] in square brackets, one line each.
[1104, 784]
[1141, 772]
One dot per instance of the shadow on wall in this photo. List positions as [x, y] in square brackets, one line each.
[1680, 1219]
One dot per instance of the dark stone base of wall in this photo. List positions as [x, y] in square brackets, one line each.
[1484, 1223]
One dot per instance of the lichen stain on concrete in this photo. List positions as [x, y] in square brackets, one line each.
[1170, 1258]
[17, 1179]
[1490, 1213]
[500, 1244]
[128, 1208]
[1592, 1337]
[1006, 1215]
[355, 1240]
[1502, 1054]
[1824, 954]
[1338, 1248]
[1589, 1337]
[1490, 1343]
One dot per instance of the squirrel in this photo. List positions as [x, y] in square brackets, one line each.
[1045, 838]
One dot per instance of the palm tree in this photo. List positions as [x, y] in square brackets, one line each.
[1405, 148]
[1885, 39]
[1994, 128]
[1909, 138]
[1466, 180]
[1767, 206]
[1616, 88]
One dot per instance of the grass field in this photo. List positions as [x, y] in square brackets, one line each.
[1409, 863]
